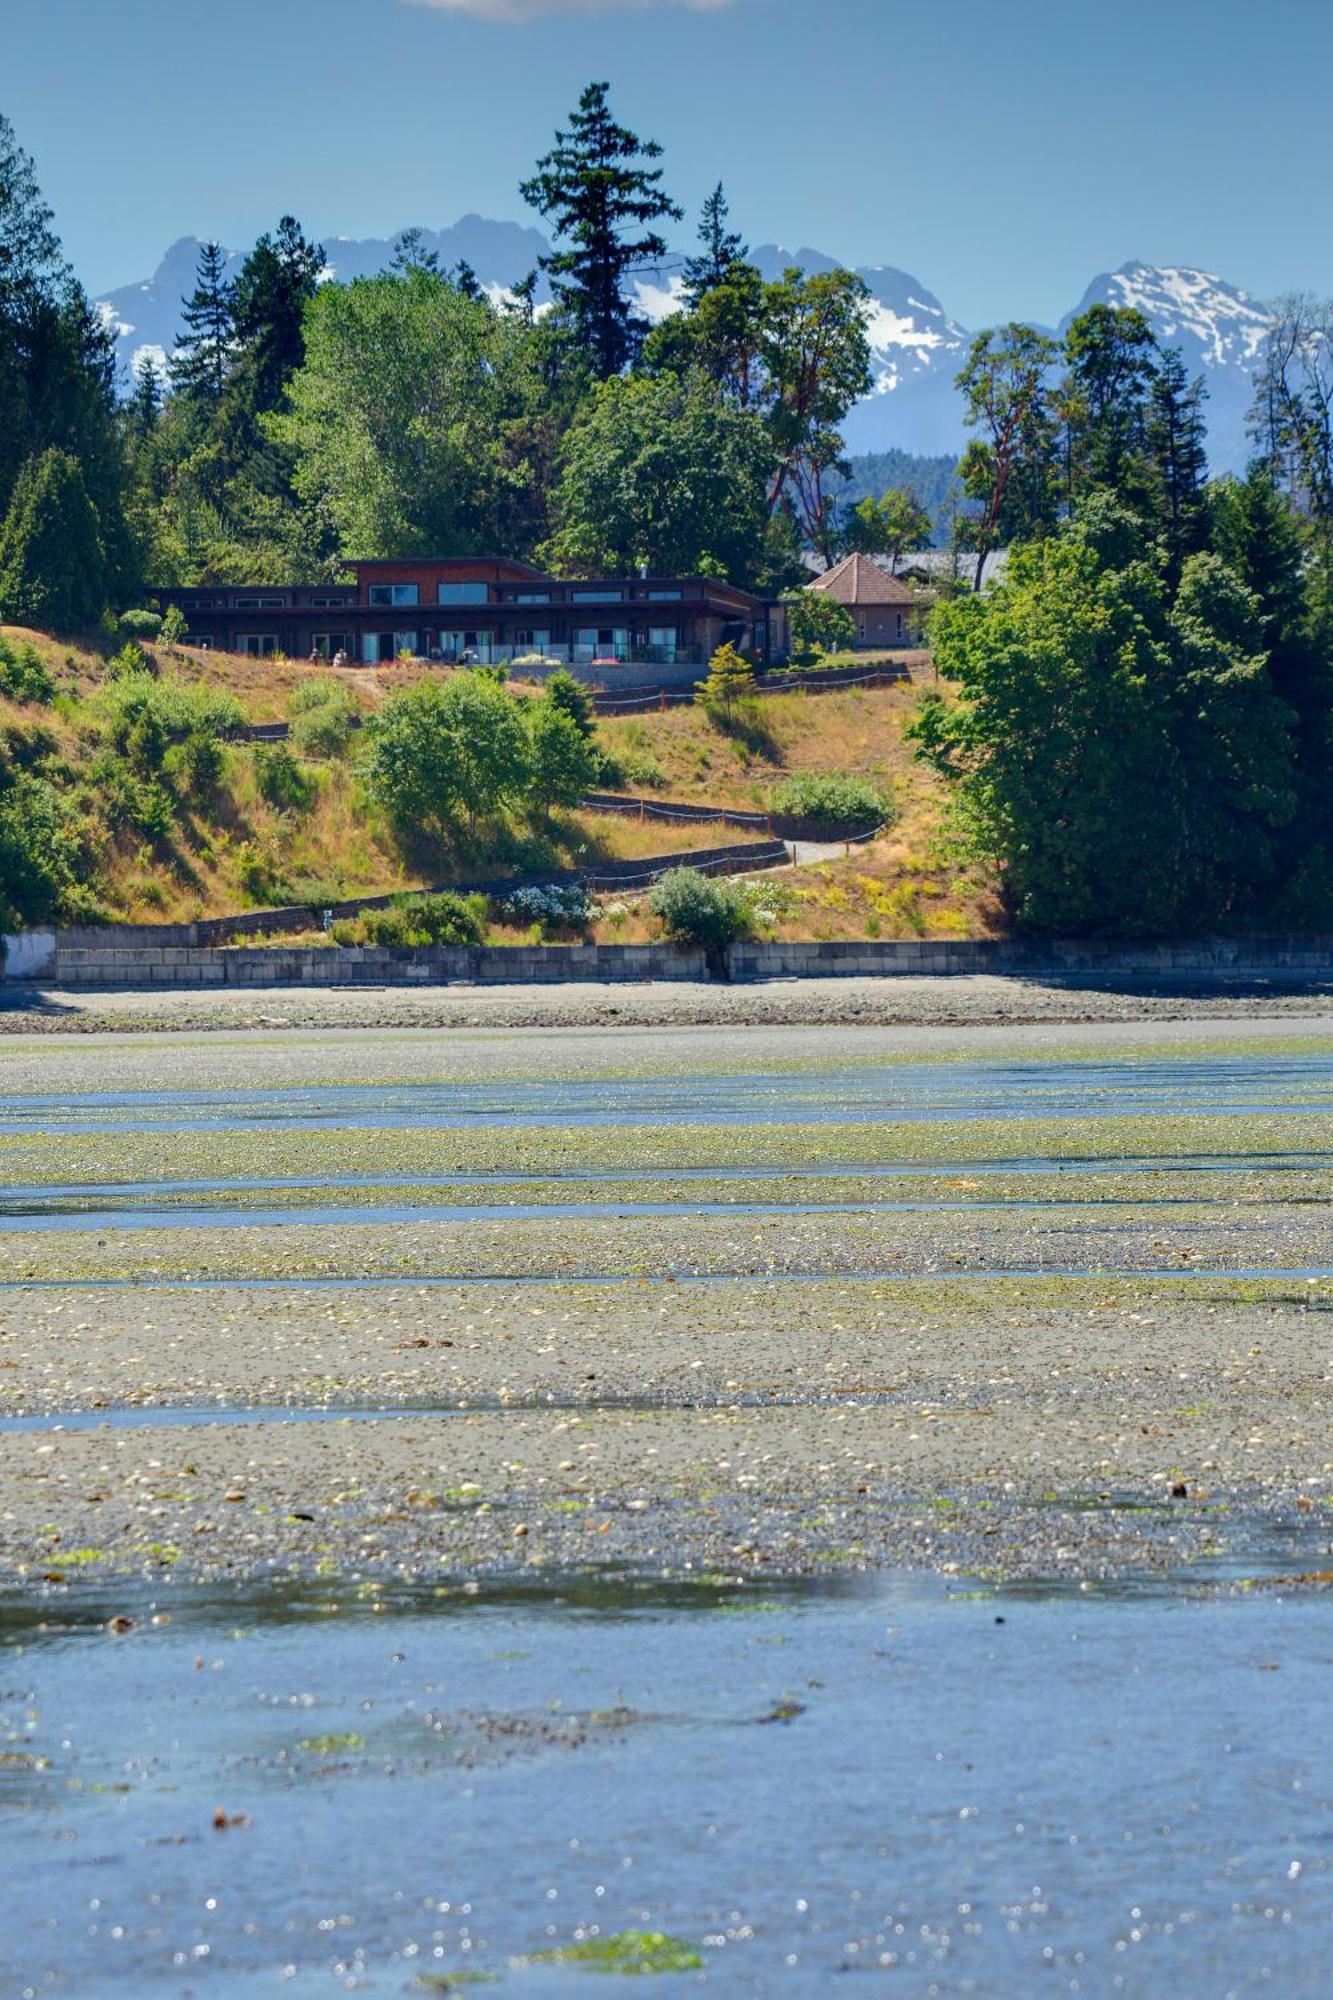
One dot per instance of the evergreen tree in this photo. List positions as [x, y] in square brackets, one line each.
[268, 301]
[145, 403]
[52, 564]
[719, 249]
[30, 260]
[1112, 361]
[410, 254]
[465, 280]
[571, 697]
[1176, 436]
[57, 368]
[603, 199]
[199, 366]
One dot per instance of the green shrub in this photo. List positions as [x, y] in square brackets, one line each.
[24, 676]
[131, 659]
[261, 876]
[320, 691]
[42, 852]
[139, 624]
[441, 919]
[322, 732]
[281, 780]
[195, 766]
[131, 799]
[174, 627]
[700, 910]
[833, 798]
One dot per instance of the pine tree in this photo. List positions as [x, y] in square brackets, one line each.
[268, 302]
[52, 565]
[720, 249]
[603, 199]
[1176, 436]
[30, 259]
[145, 403]
[199, 365]
[410, 254]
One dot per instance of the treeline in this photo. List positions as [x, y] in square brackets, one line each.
[301, 423]
[1142, 739]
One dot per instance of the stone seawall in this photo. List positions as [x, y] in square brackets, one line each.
[134, 962]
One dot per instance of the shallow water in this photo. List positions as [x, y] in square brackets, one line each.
[1000, 1793]
[1219, 1086]
[953, 1789]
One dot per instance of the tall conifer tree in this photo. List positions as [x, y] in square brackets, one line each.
[603, 198]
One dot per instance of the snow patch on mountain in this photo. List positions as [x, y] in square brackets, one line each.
[916, 348]
[1227, 326]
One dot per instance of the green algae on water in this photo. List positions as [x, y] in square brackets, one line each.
[624, 1952]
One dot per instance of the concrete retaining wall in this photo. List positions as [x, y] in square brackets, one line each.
[1203, 962]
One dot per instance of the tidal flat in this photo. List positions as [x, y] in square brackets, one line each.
[459, 1490]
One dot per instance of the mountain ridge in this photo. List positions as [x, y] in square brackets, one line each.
[917, 348]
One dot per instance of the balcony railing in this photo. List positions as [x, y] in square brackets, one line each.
[630, 655]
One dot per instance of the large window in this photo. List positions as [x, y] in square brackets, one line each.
[258, 645]
[532, 597]
[464, 593]
[259, 603]
[664, 597]
[662, 644]
[531, 639]
[327, 644]
[395, 593]
[596, 596]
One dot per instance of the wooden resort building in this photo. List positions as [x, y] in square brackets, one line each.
[481, 610]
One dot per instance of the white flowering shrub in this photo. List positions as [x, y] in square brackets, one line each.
[552, 903]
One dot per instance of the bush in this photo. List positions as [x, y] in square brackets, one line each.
[260, 872]
[552, 903]
[139, 624]
[131, 659]
[564, 763]
[415, 921]
[701, 910]
[833, 798]
[818, 624]
[196, 765]
[320, 691]
[24, 676]
[174, 627]
[324, 716]
[41, 852]
[281, 780]
[439, 751]
[571, 697]
[323, 732]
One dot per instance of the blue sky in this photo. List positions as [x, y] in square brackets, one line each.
[1003, 154]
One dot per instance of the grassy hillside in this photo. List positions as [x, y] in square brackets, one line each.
[157, 828]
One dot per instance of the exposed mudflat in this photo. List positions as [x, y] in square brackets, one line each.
[1018, 1301]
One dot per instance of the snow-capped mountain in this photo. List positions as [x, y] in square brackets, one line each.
[1219, 330]
[916, 348]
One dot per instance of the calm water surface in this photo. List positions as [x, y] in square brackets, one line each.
[1125, 1792]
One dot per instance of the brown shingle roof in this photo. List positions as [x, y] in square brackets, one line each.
[858, 580]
